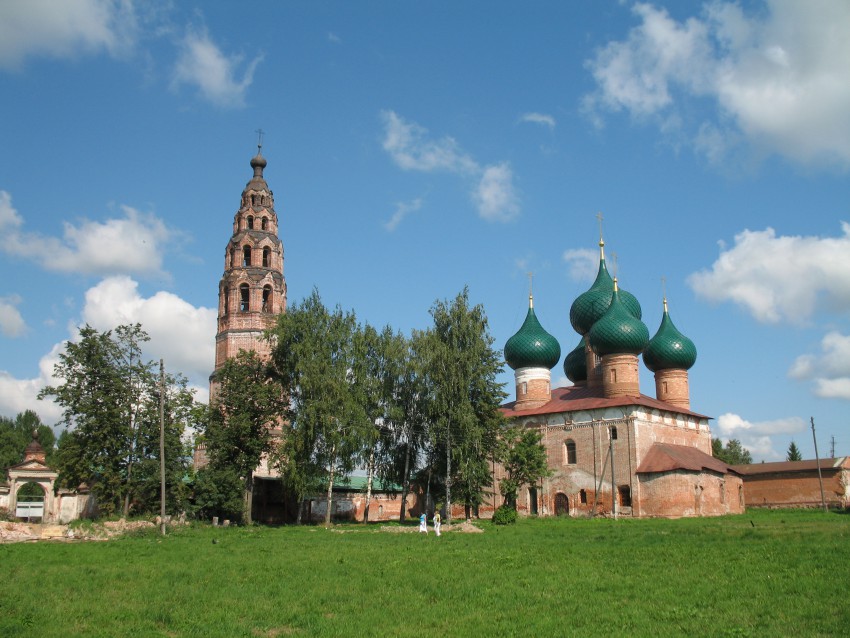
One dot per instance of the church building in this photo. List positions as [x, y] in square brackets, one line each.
[611, 449]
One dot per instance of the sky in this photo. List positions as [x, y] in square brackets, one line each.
[415, 148]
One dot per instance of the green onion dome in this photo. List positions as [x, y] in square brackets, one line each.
[589, 306]
[532, 346]
[669, 349]
[618, 331]
[575, 364]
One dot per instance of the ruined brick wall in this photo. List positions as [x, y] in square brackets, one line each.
[682, 493]
[795, 489]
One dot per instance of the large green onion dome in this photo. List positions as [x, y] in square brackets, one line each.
[589, 306]
[532, 346]
[618, 331]
[669, 349]
[575, 364]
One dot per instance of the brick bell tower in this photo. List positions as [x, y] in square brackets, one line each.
[252, 290]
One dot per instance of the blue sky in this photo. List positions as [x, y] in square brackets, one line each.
[418, 147]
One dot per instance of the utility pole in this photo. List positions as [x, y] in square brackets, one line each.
[817, 460]
[613, 483]
[832, 447]
[162, 446]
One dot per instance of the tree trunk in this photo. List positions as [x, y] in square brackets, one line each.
[330, 486]
[248, 502]
[405, 485]
[448, 476]
[369, 474]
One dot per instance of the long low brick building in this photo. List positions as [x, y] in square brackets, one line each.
[796, 483]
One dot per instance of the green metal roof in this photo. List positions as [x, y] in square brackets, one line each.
[618, 331]
[532, 346]
[669, 349]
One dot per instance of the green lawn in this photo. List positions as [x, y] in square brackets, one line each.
[775, 573]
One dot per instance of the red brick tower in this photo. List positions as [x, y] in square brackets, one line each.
[252, 290]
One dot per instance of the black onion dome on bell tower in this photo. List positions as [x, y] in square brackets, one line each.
[669, 349]
[532, 346]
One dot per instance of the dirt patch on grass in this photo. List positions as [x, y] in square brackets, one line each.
[30, 532]
[467, 527]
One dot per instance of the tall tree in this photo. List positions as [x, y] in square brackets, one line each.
[524, 458]
[733, 453]
[241, 419]
[461, 369]
[315, 361]
[793, 453]
[110, 401]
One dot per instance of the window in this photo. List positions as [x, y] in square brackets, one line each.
[267, 298]
[226, 300]
[264, 224]
[267, 257]
[250, 222]
[613, 433]
[246, 255]
[723, 492]
[524, 388]
[613, 375]
[582, 497]
[625, 493]
[244, 296]
[570, 452]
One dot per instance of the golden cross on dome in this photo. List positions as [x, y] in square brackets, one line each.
[530, 286]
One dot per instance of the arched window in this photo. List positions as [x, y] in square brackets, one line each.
[613, 433]
[267, 298]
[250, 222]
[244, 297]
[226, 300]
[246, 255]
[233, 257]
[582, 497]
[264, 224]
[267, 257]
[570, 452]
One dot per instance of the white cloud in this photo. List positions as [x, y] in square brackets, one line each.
[202, 64]
[410, 147]
[778, 278]
[333, 37]
[64, 29]
[402, 210]
[582, 263]
[495, 195]
[11, 322]
[830, 370]
[538, 118]
[133, 244]
[180, 333]
[777, 78]
[756, 436]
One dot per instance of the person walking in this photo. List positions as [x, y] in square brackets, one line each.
[437, 522]
[423, 523]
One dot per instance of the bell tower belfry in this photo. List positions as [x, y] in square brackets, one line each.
[252, 290]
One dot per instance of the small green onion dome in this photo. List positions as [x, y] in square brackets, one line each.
[669, 349]
[618, 331]
[589, 306]
[532, 346]
[575, 363]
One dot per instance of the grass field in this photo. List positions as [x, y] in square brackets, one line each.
[780, 573]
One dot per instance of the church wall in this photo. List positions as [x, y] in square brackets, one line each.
[681, 493]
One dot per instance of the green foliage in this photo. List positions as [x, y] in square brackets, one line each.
[217, 492]
[793, 453]
[732, 453]
[238, 424]
[318, 361]
[110, 401]
[524, 458]
[460, 368]
[505, 515]
[16, 434]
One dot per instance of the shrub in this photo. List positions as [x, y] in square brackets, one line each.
[504, 515]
